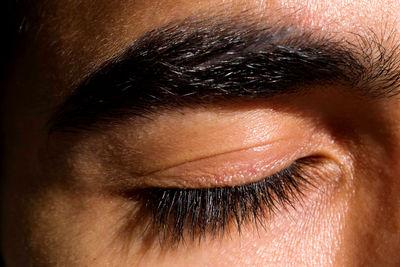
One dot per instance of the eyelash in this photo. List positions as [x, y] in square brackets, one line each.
[175, 214]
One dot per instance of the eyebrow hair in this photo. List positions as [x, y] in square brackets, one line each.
[201, 61]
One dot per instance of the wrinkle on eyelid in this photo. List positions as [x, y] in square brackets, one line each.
[194, 135]
[232, 168]
[244, 146]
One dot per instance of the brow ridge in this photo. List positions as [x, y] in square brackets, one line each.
[201, 61]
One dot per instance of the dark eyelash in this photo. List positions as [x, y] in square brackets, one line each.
[179, 213]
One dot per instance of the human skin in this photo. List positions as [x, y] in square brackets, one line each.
[58, 211]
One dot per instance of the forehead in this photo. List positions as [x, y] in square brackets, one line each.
[91, 31]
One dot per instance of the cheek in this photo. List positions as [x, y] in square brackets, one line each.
[312, 234]
[80, 228]
[371, 226]
[59, 228]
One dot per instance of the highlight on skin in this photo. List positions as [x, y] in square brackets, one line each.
[196, 63]
[308, 210]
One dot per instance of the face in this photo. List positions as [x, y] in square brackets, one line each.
[204, 133]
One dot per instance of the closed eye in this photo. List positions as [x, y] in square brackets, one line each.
[177, 214]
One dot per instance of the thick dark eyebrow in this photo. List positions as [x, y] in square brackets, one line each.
[201, 61]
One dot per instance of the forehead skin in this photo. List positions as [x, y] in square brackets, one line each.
[72, 38]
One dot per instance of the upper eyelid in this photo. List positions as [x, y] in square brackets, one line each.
[227, 169]
[258, 147]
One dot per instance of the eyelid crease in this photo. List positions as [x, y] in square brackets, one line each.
[251, 147]
[236, 167]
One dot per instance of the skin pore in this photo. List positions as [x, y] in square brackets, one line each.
[67, 198]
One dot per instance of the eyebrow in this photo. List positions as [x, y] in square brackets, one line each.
[202, 61]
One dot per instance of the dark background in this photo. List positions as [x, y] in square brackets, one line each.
[8, 47]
